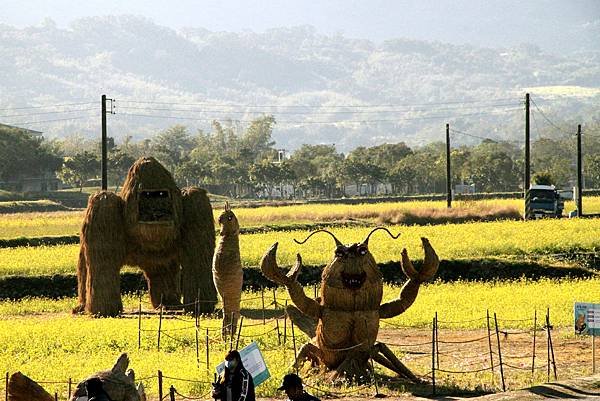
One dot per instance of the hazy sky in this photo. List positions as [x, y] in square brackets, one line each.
[482, 22]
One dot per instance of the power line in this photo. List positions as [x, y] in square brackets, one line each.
[148, 109]
[467, 134]
[239, 105]
[45, 107]
[46, 112]
[321, 122]
[49, 121]
[483, 138]
[548, 120]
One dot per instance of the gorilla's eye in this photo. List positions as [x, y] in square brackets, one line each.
[362, 250]
[154, 194]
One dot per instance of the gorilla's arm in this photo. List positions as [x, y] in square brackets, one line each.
[102, 254]
[197, 247]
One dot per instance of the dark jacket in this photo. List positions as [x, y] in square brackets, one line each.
[242, 385]
[100, 397]
[306, 397]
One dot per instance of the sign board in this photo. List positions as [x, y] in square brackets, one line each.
[587, 319]
[253, 362]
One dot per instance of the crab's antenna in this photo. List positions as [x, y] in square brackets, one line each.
[337, 241]
[366, 241]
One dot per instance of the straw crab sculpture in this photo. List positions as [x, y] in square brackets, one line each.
[344, 321]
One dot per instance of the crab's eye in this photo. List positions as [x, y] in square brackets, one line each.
[362, 250]
[340, 251]
[229, 218]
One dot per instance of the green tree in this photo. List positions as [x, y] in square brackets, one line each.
[77, 169]
[119, 162]
[403, 176]
[22, 154]
[491, 168]
[555, 157]
[366, 165]
[318, 170]
[429, 163]
[542, 178]
[592, 170]
[172, 146]
[266, 175]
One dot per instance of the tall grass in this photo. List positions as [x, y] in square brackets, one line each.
[459, 214]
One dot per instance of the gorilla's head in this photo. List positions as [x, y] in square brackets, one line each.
[152, 204]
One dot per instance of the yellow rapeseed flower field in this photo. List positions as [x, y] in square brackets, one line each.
[451, 241]
[41, 339]
[69, 223]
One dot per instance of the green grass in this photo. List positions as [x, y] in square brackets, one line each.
[6, 196]
[30, 206]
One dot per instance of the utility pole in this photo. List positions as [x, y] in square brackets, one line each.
[527, 180]
[448, 175]
[579, 174]
[104, 161]
[104, 147]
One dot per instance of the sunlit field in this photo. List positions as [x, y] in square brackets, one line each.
[44, 341]
[451, 241]
[69, 223]
[41, 339]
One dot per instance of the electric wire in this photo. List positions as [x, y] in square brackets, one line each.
[46, 112]
[204, 104]
[311, 112]
[483, 138]
[49, 121]
[45, 107]
[547, 119]
[364, 121]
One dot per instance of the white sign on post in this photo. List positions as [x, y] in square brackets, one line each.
[587, 319]
[253, 362]
[587, 322]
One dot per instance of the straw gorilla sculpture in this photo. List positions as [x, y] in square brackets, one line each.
[343, 323]
[168, 233]
[227, 270]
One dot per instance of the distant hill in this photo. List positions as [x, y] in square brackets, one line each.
[401, 90]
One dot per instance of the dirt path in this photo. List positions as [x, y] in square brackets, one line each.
[465, 350]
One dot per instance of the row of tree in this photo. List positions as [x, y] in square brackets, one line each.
[245, 162]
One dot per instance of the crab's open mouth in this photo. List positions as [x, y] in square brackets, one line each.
[354, 281]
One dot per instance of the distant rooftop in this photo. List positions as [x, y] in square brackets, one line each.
[27, 130]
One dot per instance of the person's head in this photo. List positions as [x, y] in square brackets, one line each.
[233, 360]
[93, 386]
[292, 385]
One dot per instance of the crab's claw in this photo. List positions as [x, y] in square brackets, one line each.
[430, 264]
[295, 271]
[268, 266]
